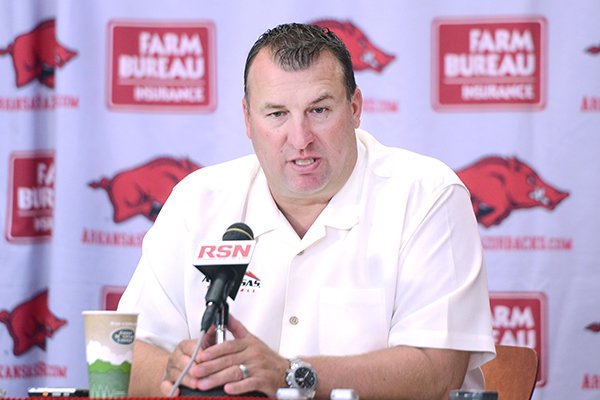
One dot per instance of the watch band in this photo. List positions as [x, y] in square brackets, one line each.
[301, 376]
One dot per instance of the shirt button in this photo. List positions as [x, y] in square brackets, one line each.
[294, 320]
[301, 252]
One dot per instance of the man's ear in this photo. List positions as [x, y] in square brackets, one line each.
[357, 101]
[246, 110]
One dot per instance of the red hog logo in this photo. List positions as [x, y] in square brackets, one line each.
[365, 55]
[500, 185]
[36, 54]
[143, 190]
[593, 327]
[30, 323]
[593, 50]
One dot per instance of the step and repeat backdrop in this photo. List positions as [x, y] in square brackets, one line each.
[106, 105]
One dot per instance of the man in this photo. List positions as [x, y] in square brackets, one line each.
[368, 264]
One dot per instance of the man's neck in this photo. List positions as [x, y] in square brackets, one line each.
[301, 217]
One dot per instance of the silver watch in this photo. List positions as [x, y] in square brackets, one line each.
[301, 375]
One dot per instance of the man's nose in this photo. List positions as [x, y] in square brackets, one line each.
[300, 134]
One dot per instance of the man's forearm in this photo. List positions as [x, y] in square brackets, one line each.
[147, 370]
[394, 373]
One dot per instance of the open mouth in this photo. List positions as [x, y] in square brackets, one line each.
[304, 162]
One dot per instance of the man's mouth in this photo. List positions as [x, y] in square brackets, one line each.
[304, 162]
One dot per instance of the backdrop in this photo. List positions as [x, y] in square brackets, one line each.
[105, 105]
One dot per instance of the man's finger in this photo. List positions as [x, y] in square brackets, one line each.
[166, 387]
[237, 329]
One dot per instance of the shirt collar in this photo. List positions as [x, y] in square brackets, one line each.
[342, 212]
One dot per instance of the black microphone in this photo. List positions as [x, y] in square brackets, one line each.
[224, 264]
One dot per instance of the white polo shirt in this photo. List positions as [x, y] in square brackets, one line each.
[394, 259]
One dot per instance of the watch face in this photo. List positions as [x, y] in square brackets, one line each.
[305, 378]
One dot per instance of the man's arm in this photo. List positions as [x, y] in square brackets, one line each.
[396, 373]
[400, 372]
[147, 370]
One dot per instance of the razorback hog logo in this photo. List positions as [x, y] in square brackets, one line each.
[365, 55]
[593, 327]
[143, 190]
[36, 54]
[30, 323]
[593, 50]
[500, 185]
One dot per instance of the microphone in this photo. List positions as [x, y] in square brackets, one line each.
[224, 264]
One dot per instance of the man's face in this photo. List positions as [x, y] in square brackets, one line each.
[301, 125]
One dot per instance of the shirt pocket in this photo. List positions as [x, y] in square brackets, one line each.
[352, 321]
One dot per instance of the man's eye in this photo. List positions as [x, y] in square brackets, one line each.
[319, 110]
[276, 114]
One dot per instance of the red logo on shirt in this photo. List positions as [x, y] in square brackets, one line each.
[250, 284]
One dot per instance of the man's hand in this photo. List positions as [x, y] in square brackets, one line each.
[176, 363]
[219, 364]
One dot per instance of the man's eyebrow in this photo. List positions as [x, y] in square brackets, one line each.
[275, 106]
[325, 96]
[268, 106]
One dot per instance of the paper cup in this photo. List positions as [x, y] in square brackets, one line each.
[109, 337]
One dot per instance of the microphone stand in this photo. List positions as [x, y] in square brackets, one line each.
[220, 321]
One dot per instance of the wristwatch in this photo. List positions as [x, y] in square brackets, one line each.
[301, 375]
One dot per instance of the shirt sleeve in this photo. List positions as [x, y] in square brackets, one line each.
[442, 294]
[156, 288]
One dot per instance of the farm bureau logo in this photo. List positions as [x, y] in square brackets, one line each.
[30, 323]
[520, 319]
[489, 63]
[30, 196]
[162, 66]
[143, 190]
[366, 56]
[110, 297]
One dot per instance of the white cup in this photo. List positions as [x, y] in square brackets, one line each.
[109, 337]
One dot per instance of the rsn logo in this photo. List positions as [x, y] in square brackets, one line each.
[230, 252]
[224, 251]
